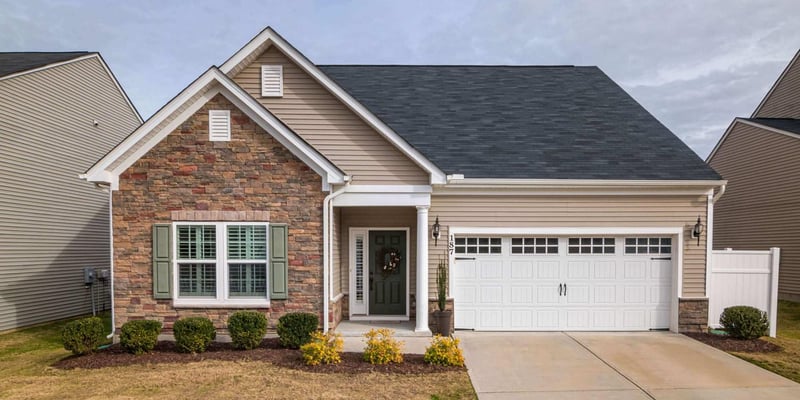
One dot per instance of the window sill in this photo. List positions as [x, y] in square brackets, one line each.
[184, 303]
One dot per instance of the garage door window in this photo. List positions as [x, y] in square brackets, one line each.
[585, 245]
[478, 245]
[643, 245]
[534, 245]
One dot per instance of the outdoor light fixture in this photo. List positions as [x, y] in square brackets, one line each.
[436, 231]
[697, 230]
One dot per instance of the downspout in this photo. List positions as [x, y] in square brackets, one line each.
[719, 194]
[711, 200]
[111, 258]
[327, 252]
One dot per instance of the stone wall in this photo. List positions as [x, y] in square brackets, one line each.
[251, 177]
[692, 315]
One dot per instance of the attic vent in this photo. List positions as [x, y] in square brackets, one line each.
[219, 125]
[271, 80]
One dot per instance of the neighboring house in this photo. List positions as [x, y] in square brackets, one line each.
[760, 158]
[59, 112]
[276, 184]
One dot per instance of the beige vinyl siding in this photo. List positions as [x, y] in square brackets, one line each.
[761, 206]
[378, 217]
[336, 242]
[784, 100]
[52, 224]
[329, 126]
[575, 211]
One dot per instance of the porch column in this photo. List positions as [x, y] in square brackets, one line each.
[422, 269]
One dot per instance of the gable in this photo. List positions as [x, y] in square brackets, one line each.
[783, 99]
[329, 126]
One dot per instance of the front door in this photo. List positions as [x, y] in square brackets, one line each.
[388, 261]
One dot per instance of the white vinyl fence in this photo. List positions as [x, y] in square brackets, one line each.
[744, 278]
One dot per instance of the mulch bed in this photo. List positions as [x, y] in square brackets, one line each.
[727, 343]
[269, 351]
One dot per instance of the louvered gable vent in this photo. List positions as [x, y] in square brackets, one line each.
[219, 125]
[271, 80]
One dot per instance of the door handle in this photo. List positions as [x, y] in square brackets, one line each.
[565, 289]
[559, 289]
[370, 281]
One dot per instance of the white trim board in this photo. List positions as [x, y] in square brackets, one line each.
[751, 123]
[269, 37]
[213, 82]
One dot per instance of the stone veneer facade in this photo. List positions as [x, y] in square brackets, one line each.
[251, 177]
[692, 315]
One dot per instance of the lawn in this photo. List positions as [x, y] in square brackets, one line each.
[787, 361]
[25, 373]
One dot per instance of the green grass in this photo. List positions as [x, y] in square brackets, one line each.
[786, 362]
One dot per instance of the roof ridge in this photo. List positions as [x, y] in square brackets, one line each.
[460, 65]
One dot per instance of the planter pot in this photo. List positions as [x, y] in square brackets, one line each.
[443, 322]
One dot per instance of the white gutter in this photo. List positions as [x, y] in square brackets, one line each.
[327, 251]
[719, 194]
[458, 180]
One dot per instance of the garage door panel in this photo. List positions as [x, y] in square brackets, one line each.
[518, 292]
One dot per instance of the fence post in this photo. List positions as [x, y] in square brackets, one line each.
[775, 257]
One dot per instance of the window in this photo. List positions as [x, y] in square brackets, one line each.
[221, 263]
[478, 245]
[271, 80]
[590, 245]
[219, 125]
[534, 245]
[653, 245]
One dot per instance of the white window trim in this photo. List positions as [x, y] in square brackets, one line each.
[227, 114]
[222, 298]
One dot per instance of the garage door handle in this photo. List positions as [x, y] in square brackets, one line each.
[559, 288]
[565, 289]
[465, 258]
[661, 258]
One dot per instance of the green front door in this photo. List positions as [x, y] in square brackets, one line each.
[387, 272]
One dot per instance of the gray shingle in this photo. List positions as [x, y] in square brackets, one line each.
[560, 122]
[11, 63]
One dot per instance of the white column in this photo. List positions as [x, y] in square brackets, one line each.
[422, 269]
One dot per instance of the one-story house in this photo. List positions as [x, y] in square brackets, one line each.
[59, 112]
[759, 158]
[554, 199]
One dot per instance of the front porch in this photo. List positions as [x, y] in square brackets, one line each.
[379, 262]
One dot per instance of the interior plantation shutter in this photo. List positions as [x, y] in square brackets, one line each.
[271, 80]
[162, 261]
[278, 261]
[219, 125]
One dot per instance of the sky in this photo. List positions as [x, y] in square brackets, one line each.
[695, 65]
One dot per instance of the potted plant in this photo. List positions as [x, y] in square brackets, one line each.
[443, 316]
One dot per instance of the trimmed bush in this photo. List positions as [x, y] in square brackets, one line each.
[193, 334]
[324, 348]
[382, 347]
[444, 351]
[247, 329]
[83, 336]
[139, 336]
[744, 322]
[294, 329]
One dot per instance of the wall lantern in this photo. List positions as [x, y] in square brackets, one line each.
[697, 230]
[436, 232]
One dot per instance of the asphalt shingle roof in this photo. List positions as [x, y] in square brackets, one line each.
[11, 63]
[531, 122]
[784, 124]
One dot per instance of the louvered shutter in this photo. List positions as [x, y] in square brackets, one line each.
[271, 80]
[278, 262]
[162, 261]
[219, 125]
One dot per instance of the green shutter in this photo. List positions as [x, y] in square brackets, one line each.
[278, 261]
[162, 261]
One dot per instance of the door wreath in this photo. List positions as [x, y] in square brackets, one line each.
[390, 257]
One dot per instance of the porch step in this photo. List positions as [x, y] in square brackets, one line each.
[359, 328]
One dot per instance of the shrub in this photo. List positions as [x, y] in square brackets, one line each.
[193, 334]
[744, 322]
[382, 347]
[324, 348]
[294, 329]
[444, 351]
[139, 336]
[247, 329]
[83, 336]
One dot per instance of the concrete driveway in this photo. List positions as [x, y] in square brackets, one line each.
[648, 365]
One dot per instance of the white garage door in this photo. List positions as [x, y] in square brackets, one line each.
[521, 283]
